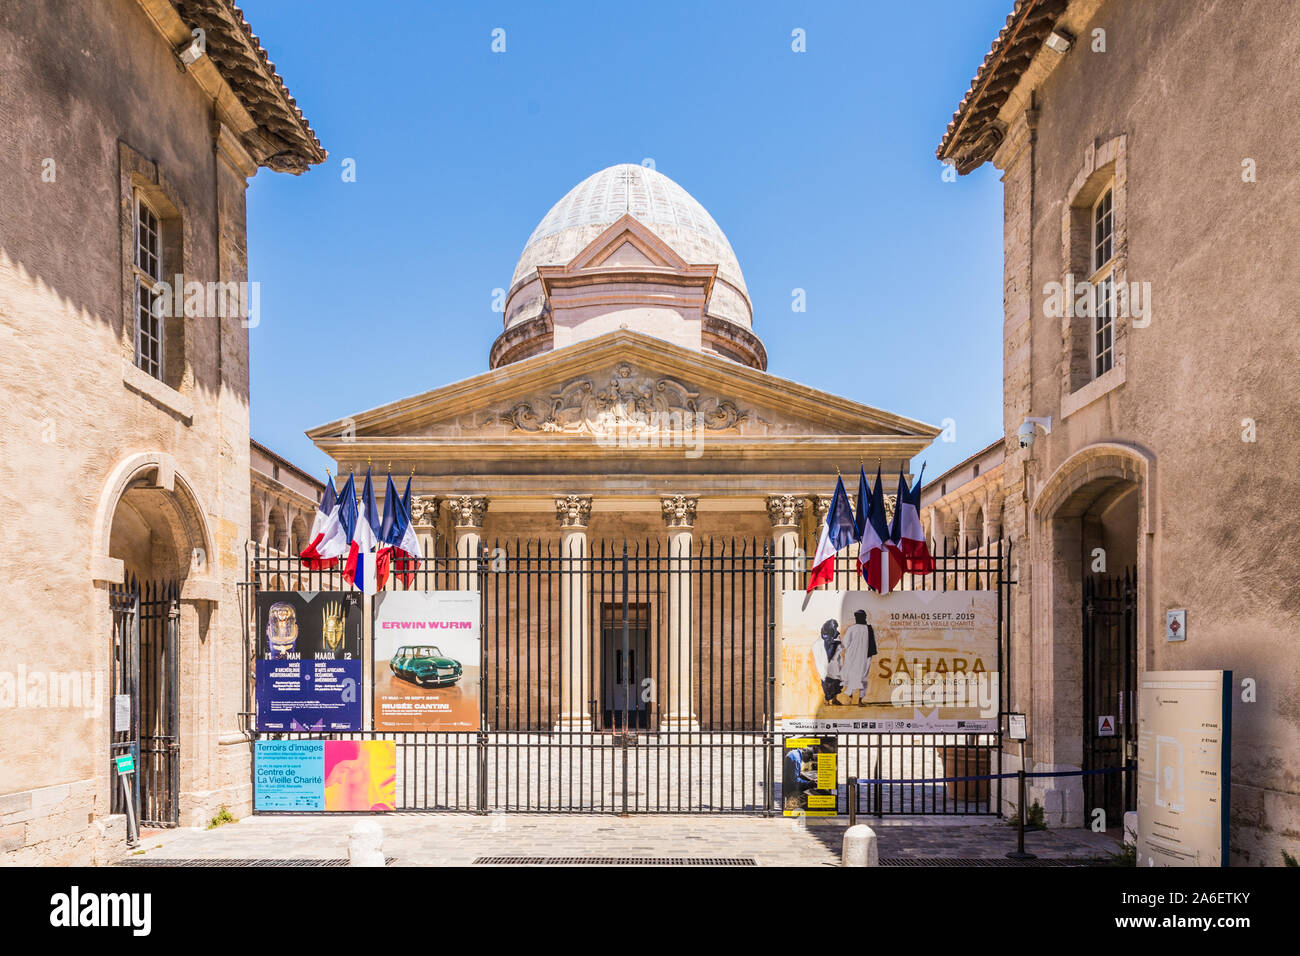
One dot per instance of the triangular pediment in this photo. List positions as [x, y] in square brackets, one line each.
[627, 242]
[624, 385]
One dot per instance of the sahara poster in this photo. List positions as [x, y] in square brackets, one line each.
[857, 661]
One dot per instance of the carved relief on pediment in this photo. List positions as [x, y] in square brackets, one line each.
[627, 401]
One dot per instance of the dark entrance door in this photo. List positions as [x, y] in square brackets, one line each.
[146, 672]
[1109, 681]
[625, 660]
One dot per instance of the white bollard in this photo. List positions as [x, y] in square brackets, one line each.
[1130, 828]
[860, 847]
[366, 844]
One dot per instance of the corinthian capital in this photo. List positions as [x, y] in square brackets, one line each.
[785, 511]
[424, 510]
[679, 511]
[468, 511]
[573, 511]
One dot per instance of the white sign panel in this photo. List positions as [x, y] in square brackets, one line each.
[1184, 756]
[121, 713]
[1016, 728]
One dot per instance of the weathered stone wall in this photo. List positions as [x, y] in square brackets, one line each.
[1184, 100]
[97, 102]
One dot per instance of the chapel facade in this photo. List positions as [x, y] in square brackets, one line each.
[626, 401]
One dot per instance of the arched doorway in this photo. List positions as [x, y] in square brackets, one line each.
[1093, 514]
[151, 532]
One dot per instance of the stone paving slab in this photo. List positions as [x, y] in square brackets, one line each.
[459, 839]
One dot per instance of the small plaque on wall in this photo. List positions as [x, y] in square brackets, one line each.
[1176, 625]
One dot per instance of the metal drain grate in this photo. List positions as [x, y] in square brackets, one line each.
[214, 861]
[948, 861]
[614, 861]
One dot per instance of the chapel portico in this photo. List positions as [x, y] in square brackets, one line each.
[627, 402]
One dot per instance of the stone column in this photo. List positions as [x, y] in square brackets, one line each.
[467, 511]
[821, 504]
[786, 514]
[679, 517]
[573, 512]
[424, 519]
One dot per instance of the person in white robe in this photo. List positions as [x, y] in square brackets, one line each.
[859, 648]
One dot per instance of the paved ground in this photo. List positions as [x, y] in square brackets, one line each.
[459, 839]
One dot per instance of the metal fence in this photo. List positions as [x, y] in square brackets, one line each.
[627, 678]
[145, 669]
[1109, 689]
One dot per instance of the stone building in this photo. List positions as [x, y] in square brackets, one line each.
[129, 139]
[626, 400]
[283, 502]
[1146, 152]
[963, 506]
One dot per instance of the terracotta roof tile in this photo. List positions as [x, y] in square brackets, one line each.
[291, 145]
[972, 137]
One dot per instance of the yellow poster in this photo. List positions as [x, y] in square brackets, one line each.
[810, 777]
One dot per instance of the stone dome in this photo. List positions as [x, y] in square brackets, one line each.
[653, 199]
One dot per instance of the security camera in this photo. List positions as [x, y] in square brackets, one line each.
[1026, 432]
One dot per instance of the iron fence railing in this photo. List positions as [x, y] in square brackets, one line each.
[674, 711]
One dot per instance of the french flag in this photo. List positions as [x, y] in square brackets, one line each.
[359, 570]
[327, 543]
[399, 546]
[406, 542]
[879, 560]
[906, 530]
[837, 533]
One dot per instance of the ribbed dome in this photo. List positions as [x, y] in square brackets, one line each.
[652, 198]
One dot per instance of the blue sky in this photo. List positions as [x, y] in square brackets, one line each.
[819, 166]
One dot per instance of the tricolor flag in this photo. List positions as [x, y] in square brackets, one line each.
[398, 545]
[359, 571]
[906, 531]
[327, 543]
[879, 560]
[406, 542]
[837, 533]
[862, 505]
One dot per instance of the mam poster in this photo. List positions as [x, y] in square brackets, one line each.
[427, 660]
[308, 661]
[857, 661]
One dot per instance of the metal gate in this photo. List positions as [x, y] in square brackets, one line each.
[1109, 683]
[145, 669]
[630, 679]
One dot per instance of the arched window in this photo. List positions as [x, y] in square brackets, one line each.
[975, 530]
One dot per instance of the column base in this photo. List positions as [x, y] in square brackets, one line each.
[579, 722]
[679, 723]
